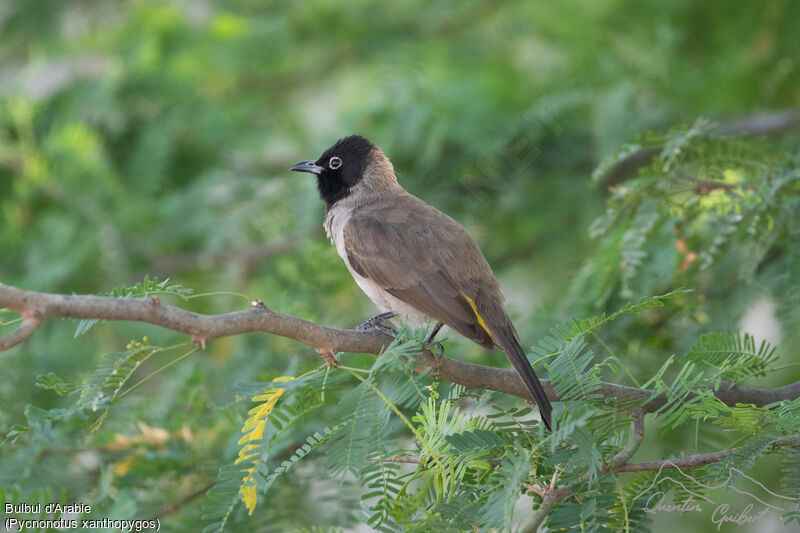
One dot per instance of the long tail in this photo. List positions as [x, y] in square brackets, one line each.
[523, 367]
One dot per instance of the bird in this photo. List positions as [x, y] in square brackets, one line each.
[412, 260]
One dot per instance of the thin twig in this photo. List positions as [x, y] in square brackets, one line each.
[404, 459]
[536, 490]
[29, 324]
[634, 441]
[696, 459]
[552, 497]
[549, 499]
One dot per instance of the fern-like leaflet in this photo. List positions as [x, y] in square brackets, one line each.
[108, 379]
[352, 445]
[572, 377]
[142, 289]
[565, 332]
[790, 484]
[733, 355]
[504, 488]
[96, 395]
[445, 465]
[254, 428]
[312, 442]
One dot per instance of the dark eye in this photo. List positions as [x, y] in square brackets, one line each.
[335, 162]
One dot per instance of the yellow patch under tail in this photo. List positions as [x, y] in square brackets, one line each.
[481, 321]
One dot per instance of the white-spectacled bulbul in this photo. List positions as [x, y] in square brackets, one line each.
[411, 259]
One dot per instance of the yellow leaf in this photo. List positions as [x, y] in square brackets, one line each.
[253, 429]
[248, 492]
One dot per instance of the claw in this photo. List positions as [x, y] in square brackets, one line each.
[386, 329]
[438, 347]
[329, 356]
[375, 323]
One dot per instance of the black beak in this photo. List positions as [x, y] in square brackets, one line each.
[308, 166]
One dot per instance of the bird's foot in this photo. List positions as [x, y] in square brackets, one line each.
[436, 348]
[429, 340]
[430, 336]
[375, 323]
[424, 364]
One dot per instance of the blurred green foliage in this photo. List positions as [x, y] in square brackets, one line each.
[154, 138]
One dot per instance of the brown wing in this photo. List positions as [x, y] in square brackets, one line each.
[424, 258]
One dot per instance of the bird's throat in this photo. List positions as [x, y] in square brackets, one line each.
[332, 188]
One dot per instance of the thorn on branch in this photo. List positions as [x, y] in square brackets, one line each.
[329, 356]
[155, 301]
[553, 481]
[536, 490]
[200, 341]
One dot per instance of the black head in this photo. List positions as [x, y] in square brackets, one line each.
[339, 168]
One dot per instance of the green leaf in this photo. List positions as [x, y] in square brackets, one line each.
[142, 289]
[53, 382]
[733, 355]
[505, 489]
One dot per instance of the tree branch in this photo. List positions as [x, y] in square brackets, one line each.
[695, 459]
[549, 499]
[203, 328]
[759, 123]
[30, 323]
[34, 307]
[551, 496]
[634, 441]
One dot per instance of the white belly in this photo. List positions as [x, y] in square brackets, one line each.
[334, 226]
[386, 302]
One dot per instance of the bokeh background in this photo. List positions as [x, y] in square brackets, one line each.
[155, 137]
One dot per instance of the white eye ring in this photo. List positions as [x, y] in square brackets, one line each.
[335, 162]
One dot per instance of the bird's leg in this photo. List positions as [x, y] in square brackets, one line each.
[375, 322]
[429, 338]
[434, 331]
